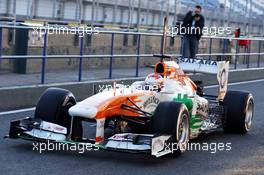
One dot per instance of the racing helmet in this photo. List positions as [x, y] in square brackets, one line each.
[154, 79]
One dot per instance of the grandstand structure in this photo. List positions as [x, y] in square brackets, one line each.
[246, 14]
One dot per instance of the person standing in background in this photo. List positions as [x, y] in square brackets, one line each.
[193, 24]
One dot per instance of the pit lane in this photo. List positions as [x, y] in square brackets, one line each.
[245, 157]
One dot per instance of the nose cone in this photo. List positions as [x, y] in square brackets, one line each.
[83, 111]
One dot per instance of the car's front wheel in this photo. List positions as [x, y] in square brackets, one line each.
[53, 107]
[172, 118]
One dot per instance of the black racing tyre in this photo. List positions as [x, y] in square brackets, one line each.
[53, 107]
[200, 87]
[172, 118]
[239, 110]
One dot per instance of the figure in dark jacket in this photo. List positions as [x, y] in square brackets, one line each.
[193, 24]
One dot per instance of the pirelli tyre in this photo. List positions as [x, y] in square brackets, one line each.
[239, 110]
[53, 107]
[172, 118]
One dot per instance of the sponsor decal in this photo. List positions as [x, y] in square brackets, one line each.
[100, 123]
[118, 137]
[59, 128]
[53, 127]
[223, 78]
[151, 101]
[197, 61]
[202, 109]
[157, 145]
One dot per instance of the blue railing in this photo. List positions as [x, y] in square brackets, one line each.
[138, 55]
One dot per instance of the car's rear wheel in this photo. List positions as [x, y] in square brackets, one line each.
[239, 112]
[53, 107]
[172, 118]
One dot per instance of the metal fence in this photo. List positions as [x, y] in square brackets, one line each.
[81, 56]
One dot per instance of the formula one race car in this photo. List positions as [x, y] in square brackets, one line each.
[167, 108]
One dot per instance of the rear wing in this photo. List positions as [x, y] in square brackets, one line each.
[199, 65]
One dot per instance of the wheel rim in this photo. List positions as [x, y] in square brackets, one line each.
[183, 132]
[249, 115]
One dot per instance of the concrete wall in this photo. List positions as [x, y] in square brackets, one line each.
[68, 44]
[100, 45]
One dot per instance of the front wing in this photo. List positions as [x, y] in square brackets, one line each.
[42, 131]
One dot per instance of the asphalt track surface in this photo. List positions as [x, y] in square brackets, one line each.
[245, 157]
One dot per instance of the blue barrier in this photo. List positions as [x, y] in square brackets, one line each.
[1, 44]
[111, 57]
[81, 60]
[138, 55]
[210, 48]
[44, 53]
[259, 50]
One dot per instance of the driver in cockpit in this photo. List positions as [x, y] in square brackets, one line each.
[154, 82]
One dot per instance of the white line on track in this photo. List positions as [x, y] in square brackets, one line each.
[17, 111]
[206, 87]
[236, 83]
